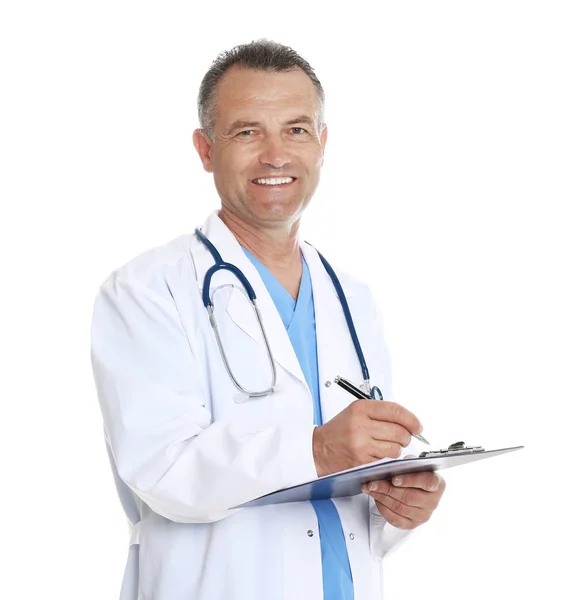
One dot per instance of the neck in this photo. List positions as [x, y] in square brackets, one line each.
[277, 248]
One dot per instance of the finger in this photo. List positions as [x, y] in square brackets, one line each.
[379, 449]
[389, 432]
[425, 480]
[394, 519]
[398, 520]
[394, 413]
[413, 513]
[412, 497]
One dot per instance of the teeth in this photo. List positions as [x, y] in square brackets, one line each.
[274, 181]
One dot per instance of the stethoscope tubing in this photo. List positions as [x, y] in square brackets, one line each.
[220, 264]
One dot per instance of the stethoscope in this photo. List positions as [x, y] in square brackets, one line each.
[220, 264]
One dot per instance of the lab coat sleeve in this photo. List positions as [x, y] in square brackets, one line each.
[384, 537]
[161, 435]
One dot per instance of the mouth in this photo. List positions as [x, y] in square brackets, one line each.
[274, 182]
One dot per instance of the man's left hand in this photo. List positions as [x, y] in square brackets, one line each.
[409, 500]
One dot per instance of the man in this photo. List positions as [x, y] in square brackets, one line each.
[188, 444]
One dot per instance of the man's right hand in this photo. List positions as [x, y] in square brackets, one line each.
[365, 431]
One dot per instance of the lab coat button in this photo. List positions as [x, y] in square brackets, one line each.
[327, 383]
[351, 536]
[310, 533]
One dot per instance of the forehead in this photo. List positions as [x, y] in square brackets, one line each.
[247, 92]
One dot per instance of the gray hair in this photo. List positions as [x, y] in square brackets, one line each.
[262, 55]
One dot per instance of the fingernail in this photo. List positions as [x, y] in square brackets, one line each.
[397, 481]
[365, 489]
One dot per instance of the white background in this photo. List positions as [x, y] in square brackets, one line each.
[444, 187]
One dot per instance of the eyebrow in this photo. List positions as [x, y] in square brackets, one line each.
[243, 124]
[302, 119]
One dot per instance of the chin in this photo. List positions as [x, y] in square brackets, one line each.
[278, 208]
[277, 211]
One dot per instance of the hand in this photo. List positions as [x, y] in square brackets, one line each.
[409, 500]
[363, 432]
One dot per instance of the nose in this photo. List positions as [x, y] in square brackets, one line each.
[274, 152]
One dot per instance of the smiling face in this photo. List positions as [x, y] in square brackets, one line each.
[267, 150]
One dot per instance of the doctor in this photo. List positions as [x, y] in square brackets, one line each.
[186, 444]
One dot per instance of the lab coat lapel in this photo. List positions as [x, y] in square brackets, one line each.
[335, 349]
[239, 307]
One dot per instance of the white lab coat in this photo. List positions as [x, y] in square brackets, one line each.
[185, 447]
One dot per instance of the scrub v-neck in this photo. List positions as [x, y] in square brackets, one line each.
[298, 318]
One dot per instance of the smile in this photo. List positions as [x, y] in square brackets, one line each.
[274, 181]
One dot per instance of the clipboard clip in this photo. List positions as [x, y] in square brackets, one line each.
[457, 448]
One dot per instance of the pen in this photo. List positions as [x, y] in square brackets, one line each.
[359, 394]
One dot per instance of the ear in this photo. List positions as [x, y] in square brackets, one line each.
[203, 145]
[323, 141]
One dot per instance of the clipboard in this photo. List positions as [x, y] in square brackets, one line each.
[349, 482]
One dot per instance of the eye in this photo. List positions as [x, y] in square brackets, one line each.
[245, 133]
[298, 130]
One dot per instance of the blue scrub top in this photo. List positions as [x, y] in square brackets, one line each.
[300, 322]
